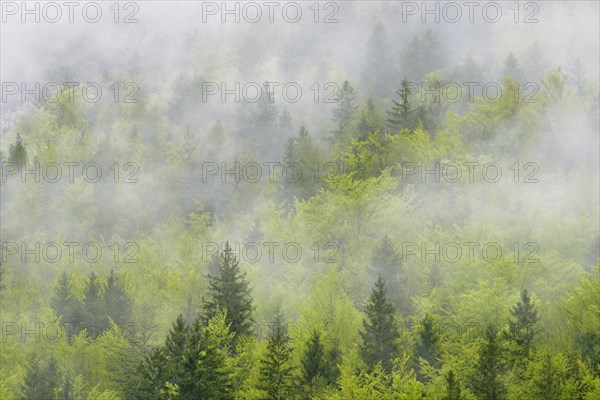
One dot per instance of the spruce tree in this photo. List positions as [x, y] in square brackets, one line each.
[276, 366]
[69, 309]
[511, 68]
[152, 374]
[428, 342]
[387, 263]
[313, 359]
[488, 384]
[333, 358]
[522, 326]
[42, 379]
[17, 153]
[344, 110]
[175, 347]
[265, 122]
[380, 329]
[95, 320]
[548, 377]
[206, 372]
[424, 54]
[453, 390]
[229, 291]
[401, 116]
[370, 119]
[285, 122]
[116, 300]
[299, 160]
[379, 69]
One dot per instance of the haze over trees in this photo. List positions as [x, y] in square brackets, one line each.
[393, 234]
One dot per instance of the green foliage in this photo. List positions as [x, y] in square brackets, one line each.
[276, 366]
[488, 380]
[522, 329]
[453, 389]
[380, 329]
[42, 379]
[17, 153]
[229, 291]
[427, 346]
[343, 112]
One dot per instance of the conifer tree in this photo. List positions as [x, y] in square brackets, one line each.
[299, 161]
[116, 300]
[313, 359]
[206, 372]
[152, 375]
[175, 347]
[276, 366]
[401, 116]
[265, 121]
[42, 379]
[522, 326]
[387, 263]
[453, 390]
[68, 308]
[17, 153]
[333, 358]
[379, 69]
[488, 384]
[370, 120]
[380, 329]
[285, 122]
[428, 342]
[229, 291]
[511, 68]
[424, 54]
[344, 110]
[95, 320]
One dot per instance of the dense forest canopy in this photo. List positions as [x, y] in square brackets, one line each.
[300, 200]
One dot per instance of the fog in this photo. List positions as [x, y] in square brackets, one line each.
[193, 152]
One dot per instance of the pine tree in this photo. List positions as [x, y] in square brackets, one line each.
[380, 329]
[313, 359]
[379, 69]
[344, 110]
[511, 68]
[453, 390]
[264, 123]
[285, 122]
[151, 377]
[206, 372]
[229, 291]
[427, 347]
[333, 358]
[95, 320]
[42, 379]
[387, 263]
[424, 54]
[550, 371]
[488, 384]
[401, 116]
[299, 160]
[521, 328]
[66, 306]
[175, 347]
[276, 366]
[17, 153]
[116, 300]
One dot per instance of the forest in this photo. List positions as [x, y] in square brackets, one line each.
[366, 203]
